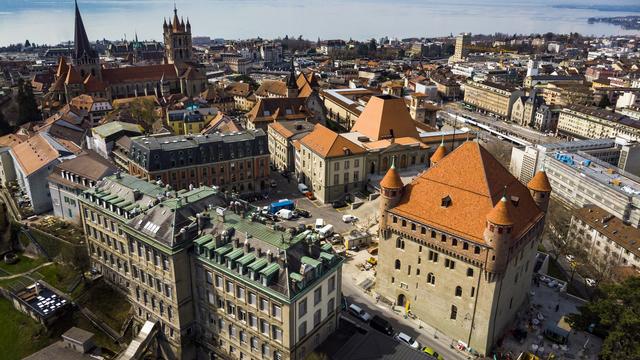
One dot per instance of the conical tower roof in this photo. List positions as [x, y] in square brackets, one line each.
[501, 214]
[391, 179]
[439, 154]
[540, 182]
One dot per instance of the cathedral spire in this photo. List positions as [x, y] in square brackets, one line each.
[81, 41]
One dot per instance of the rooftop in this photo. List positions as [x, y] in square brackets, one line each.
[610, 226]
[114, 127]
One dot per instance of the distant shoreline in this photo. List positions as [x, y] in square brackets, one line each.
[603, 7]
[631, 22]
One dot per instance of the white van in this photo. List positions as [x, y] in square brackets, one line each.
[284, 214]
[303, 188]
[319, 224]
[327, 230]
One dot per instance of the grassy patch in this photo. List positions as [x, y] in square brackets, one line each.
[59, 276]
[19, 334]
[108, 304]
[24, 264]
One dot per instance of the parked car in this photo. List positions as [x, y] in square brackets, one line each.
[430, 351]
[359, 313]
[349, 218]
[381, 324]
[319, 223]
[303, 188]
[284, 214]
[404, 338]
[339, 204]
[590, 282]
[570, 258]
[301, 212]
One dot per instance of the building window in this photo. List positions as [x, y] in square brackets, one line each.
[454, 312]
[331, 304]
[276, 333]
[473, 291]
[449, 264]
[431, 279]
[264, 327]
[470, 272]
[317, 316]
[302, 308]
[302, 330]
[218, 281]
[317, 295]
[458, 291]
[252, 299]
[276, 311]
[397, 264]
[433, 256]
[332, 284]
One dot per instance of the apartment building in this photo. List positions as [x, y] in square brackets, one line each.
[238, 162]
[458, 245]
[71, 177]
[579, 179]
[463, 40]
[585, 122]
[138, 236]
[608, 242]
[491, 97]
[263, 293]
[565, 94]
[281, 135]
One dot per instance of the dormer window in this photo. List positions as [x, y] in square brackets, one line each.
[515, 201]
[446, 201]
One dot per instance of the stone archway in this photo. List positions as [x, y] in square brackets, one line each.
[401, 300]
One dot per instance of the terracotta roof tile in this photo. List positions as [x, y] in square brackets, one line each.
[11, 140]
[474, 181]
[439, 154]
[139, 73]
[328, 143]
[385, 116]
[391, 179]
[501, 213]
[73, 76]
[275, 87]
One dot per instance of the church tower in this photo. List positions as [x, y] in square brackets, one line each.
[292, 84]
[177, 40]
[85, 58]
[390, 193]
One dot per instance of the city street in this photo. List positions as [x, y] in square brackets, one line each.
[423, 333]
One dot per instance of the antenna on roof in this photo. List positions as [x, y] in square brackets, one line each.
[504, 192]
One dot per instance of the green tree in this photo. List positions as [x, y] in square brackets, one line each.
[5, 128]
[614, 311]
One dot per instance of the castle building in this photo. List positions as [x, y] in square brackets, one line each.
[83, 73]
[458, 244]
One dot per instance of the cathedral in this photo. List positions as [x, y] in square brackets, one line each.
[83, 73]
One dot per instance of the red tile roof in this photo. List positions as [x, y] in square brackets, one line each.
[385, 116]
[474, 181]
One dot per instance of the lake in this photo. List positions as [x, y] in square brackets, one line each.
[51, 21]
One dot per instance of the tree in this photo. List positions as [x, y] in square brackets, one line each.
[613, 313]
[5, 128]
[27, 43]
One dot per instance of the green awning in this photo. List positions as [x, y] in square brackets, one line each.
[235, 254]
[246, 259]
[224, 249]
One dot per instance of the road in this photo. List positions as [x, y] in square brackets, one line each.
[425, 335]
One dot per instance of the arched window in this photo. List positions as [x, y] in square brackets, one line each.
[431, 279]
[398, 243]
[397, 266]
[454, 312]
[458, 291]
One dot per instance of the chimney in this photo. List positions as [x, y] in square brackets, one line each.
[247, 246]
[258, 252]
[236, 243]
[269, 256]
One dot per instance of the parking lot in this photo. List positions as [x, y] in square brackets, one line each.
[287, 188]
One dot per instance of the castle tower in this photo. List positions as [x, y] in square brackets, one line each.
[390, 193]
[85, 58]
[177, 40]
[498, 233]
[540, 189]
[439, 154]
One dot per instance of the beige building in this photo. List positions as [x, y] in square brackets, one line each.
[330, 164]
[565, 94]
[344, 106]
[458, 245]
[461, 51]
[141, 254]
[585, 122]
[491, 97]
[608, 242]
[281, 135]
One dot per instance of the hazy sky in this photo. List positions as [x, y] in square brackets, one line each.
[52, 21]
